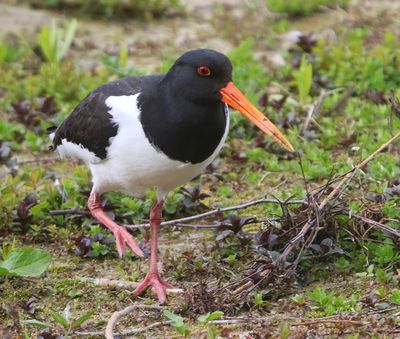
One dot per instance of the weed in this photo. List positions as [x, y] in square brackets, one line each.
[303, 77]
[54, 42]
[329, 303]
[395, 296]
[177, 322]
[63, 319]
[112, 8]
[284, 330]
[24, 261]
[206, 318]
[295, 8]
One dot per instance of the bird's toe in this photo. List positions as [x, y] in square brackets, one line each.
[123, 239]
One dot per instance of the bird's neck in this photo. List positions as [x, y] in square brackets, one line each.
[182, 129]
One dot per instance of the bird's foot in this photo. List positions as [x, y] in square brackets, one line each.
[123, 239]
[159, 286]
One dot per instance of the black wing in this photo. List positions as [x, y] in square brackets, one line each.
[90, 124]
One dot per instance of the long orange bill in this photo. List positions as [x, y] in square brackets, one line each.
[236, 99]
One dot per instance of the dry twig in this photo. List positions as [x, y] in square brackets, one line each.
[73, 211]
[218, 210]
[315, 109]
[334, 194]
[118, 314]
[182, 221]
[105, 282]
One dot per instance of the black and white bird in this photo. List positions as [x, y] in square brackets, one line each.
[155, 131]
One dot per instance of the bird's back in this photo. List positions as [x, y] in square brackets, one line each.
[87, 132]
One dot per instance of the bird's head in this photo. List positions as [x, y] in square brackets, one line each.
[205, 76]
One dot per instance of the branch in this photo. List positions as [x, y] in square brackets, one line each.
[315, 109]
[122, 284]
[175, 222]
[76, 211]
[182, 221]
[376, 224]
[334, 194]
[118, 314]
[127, 332]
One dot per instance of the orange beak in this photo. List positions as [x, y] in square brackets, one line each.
[236, 99]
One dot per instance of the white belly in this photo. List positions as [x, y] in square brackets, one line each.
[133, 164]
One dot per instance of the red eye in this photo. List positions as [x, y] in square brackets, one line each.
[204, 71]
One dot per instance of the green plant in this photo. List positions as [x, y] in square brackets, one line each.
[259, 299]
[296, 8]
[24, 261]
[118, 65]
[147, 9]
[383, 255]
[299, 299]
[395, 296]
[303, 77]
[8, 53]
[206, 318]
[284, 330]
[177, 323]
[55, 42]
[64, 320]
[329, 303]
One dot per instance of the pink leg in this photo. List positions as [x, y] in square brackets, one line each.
[122, 237]
[153, 277]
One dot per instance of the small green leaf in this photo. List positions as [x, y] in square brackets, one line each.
[60, 319]
[210, 316]
[34, 322]
[74, 293]
[395, 298]
[37, 209]
[203, 318]
[211, 332]
[123, 55]
[215, 315]
[25, 262]
[304, 79]
[177, 320]
[78, 322]
[4, 271]
[284, 330]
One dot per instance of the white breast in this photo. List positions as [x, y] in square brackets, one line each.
[133, 165]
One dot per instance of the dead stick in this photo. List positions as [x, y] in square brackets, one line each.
[39, 160]
[76, 211]
[218, 210]
[105, 282]
[325, 321]
[315, 109]
[349, 175]
[177, 222]
[118, 314]
[128, 332]
[377, 224]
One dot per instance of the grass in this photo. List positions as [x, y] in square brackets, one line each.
[349, 269]
[299, 8]
[145, 9]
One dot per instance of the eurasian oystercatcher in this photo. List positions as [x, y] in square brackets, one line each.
[155, 131]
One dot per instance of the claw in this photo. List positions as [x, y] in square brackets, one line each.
[159, 286]
[123, 238]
